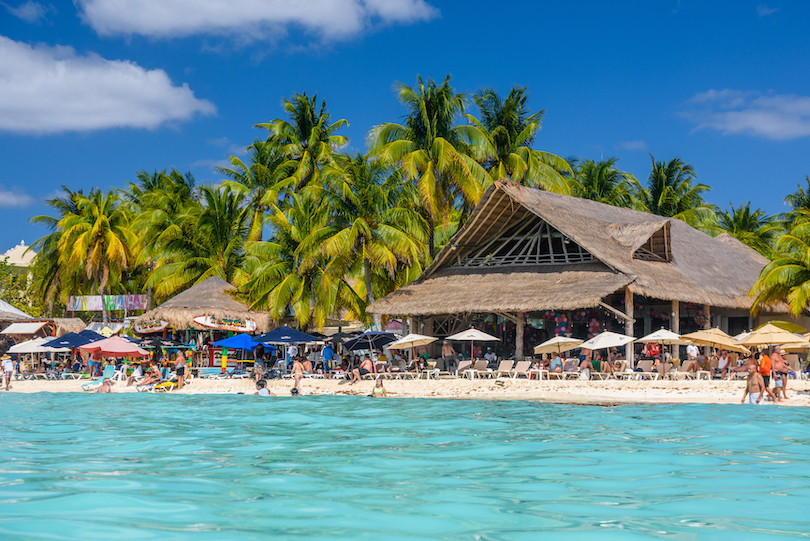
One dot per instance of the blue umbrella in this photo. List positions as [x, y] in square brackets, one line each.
[285, 335]
[92, 335]
[69, 340]
[241, 341]
[369, 340]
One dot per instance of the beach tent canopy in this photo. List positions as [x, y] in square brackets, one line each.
[769, 334]
[285, 335]
[663, 336]
[70, 340]
[24, 328]
[37, 345]
[115, 346]
[411, 341]
[607, 339]
[715, 338]
[558, 344]
[242, 341]
[211, 297]
[11, 313]
[370, 340]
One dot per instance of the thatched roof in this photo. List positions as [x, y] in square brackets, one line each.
[693, 266]
[208, 298]
[66, 325]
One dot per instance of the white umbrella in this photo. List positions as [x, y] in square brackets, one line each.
[607, 339]
[411, 341]
[472, 335]
[35, 346]
[558, 344]
[663, 336]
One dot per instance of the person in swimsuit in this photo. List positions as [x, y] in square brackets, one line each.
[365, 368]
[8, 368]
[780, 372]
[180, 369]
[378, 391]
[754, 386]
[104, 387]
[586, 366]
[298, 373]
[765, 367]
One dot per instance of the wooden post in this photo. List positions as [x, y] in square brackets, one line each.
[628, 324]
[521, 321]
[675, 320]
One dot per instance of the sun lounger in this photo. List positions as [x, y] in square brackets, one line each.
[570, 369]
[646, 370]
[504, 368]
[521, 369]
[109, 372]
[463, 366]
[478, 369]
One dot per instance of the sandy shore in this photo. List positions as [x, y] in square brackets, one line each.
[572, 391]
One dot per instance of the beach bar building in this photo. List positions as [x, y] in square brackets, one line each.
[561, 263]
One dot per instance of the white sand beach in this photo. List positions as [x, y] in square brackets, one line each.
[571, 391]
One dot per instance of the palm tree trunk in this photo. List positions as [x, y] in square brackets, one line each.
[370, 299]
[103, 306]
[431, 237]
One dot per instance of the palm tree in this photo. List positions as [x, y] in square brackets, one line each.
[426, 148]
[671, 192]
[97, 241]
[787, 277]
[260, 181]
[287, 273]
[602, 181]
[307, 139]
[206, 240]
[800, 199]
[370, 235]
[501, 140]
[751, 227]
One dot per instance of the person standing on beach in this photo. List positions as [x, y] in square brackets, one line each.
[180, 368]
[327, 354]
[298, 373]
[780, 372]
[754, 386]
[8, 367]
[765, 367]
[449, 356]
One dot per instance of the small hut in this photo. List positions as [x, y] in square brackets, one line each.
[211, 297]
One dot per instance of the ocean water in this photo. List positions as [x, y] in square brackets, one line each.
[243, 467]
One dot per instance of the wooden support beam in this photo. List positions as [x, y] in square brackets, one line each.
[519, 327]
[628, 323]
[675, 317]
[707, 311]
[510, 317]
[619, 313]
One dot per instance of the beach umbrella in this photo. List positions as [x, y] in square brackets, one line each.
[770, 334]
[411, 341]
[92, 335]
[36, 345]
[285, 335]
[740, 336]
[786, 325]
[558, 344]
[607, 339]
[473, 335]
[796, 347]
[370, 340]
[115, 346]
[663, 336]
[241, 341]
[70, 340]
[715, 338]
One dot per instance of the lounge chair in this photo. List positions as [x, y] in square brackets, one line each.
[479, 369]
[165, 376]
[570, 369]
[646, 370]
[521, 369]
[504, 368]
[463, 366]
[109, 372]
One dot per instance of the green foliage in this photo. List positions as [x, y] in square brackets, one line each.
[751, 227]
[15, 289]
[602, 181]
[787, 277]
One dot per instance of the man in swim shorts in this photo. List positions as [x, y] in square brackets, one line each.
[780, 372]
[366, 367]
[754, 386]
[8, 367]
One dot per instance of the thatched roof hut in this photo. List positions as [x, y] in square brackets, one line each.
[65, 325]
[210, 297]
[524, 249]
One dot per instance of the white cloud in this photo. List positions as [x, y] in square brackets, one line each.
[14, 198]
[248, 19]
[632, 145]
[763, 10]
[737, 112]
[29, 12]
[47, 89]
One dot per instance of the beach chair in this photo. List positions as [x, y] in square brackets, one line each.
[478, 369]
[463, 366]
[165, 376]
[570, 369]
[521, 369]
[646, 370]
[504, 368]
[109, 372]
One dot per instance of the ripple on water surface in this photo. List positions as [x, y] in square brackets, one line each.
[241, 467]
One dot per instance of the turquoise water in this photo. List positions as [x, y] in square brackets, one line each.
[242, 467]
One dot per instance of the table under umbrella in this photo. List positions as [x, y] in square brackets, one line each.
[473, 335]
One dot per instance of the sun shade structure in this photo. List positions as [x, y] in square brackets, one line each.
[285, 335]
[411, 341]
[211, 297]
[770, 335]
[607, 339]
[70, 340]
[37, 345]
[663, 336]
[115, 347]
[24, 328]
[558, 344]
[9, 312]
[717, 339]
[369, 340]
[524, 249]
[242, 341]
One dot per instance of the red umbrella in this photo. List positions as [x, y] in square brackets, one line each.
[115, 346]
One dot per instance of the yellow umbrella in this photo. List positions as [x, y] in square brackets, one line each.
[769, 334]
[796, 347]
[558, 344]
[717, 339]
[787, 325]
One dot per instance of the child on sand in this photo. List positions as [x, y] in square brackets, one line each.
[754, 386]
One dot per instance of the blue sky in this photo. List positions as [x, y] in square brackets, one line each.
[93, 90]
